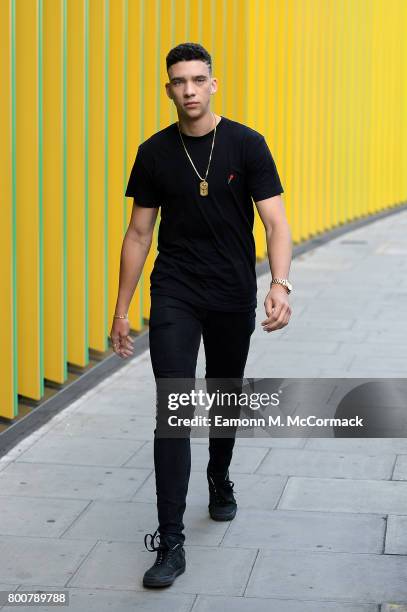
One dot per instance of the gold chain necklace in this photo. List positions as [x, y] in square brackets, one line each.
[203, 185]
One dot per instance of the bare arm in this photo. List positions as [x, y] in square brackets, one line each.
[135, 248]
[279, 249]
[278, 235]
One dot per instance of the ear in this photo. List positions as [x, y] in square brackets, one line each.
[168, 91]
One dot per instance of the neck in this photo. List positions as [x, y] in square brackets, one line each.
[200, 126]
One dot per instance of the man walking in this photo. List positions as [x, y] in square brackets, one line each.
[203, 170]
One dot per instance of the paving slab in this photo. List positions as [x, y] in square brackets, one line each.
[369, 349]
[38, 517]
[72, 449]
[396, 535]
[271, 441]
[211, 603]
[118, 601]
[295, 333]
[336, 495]
[131, 399]
[121, 565]
[27, 560]
[385, 363]
[71, 481]
[400, 468]
[126, 427]
[245, 459]
[130, 521]
[362, 578]
[304, 462]
[306, 531]
[370, 446]
[252, 490]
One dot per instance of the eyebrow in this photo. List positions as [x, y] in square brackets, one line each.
[198, 76]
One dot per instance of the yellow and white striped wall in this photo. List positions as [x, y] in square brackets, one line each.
[82, 84]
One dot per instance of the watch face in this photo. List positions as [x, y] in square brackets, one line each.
[289, 285]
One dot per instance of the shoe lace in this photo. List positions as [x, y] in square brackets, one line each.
[162, 549]
[152, 536]
[220, 488]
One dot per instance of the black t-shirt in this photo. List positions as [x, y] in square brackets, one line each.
[206, 249]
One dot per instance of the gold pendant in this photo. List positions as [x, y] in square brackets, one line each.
[203, 188]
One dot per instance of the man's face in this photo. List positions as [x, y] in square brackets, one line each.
[190, 81]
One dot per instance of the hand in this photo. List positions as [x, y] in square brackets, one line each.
[122, 342]
[278, 309]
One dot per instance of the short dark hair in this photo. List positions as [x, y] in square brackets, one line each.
[189, 51]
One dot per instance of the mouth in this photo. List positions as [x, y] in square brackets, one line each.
[190, 104]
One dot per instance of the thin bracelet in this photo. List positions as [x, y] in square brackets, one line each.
[121, 316]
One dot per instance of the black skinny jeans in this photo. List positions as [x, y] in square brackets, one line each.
[175, 331]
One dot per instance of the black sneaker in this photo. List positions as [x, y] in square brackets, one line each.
[222, 503]
[169, 564]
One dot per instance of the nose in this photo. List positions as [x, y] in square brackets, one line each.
[189, 89]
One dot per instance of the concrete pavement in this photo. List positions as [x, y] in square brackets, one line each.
[322, 523]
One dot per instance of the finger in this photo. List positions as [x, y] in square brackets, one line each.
[126, 351]
[284, 319]
[270, 317]
[278, 310]
[269, 323]
[272, 310]
[278, 324]
[269, 309]
[281, 322]
[128, 346]
[287, 318]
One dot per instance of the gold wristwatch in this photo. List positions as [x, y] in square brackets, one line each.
[284, 282]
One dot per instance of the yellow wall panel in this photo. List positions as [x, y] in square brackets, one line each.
[260, 94]
[231, 70]
[328, 218]
[320, 87]
[379, 88]
[218, 21]
[403, 104]
[134, 107]
[293, 169]
[241, 85]
[8, 314]
[28, 201]
[165, 115]
[282, 131]
[251, 101]
[97, 208]
[53, 202]
[150, 124]
[76, 197]
[115, 143]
